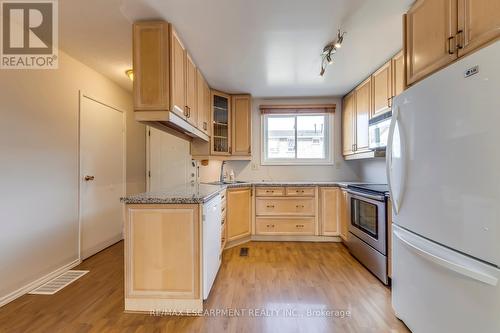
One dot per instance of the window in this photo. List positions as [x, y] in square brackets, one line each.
[299, 139]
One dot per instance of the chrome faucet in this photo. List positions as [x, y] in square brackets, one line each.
[221, 178]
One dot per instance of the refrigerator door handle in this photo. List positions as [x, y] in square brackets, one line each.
[446, 263]
[396, 196]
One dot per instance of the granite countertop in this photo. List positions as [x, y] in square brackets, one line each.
[187, 194]
[201, 193]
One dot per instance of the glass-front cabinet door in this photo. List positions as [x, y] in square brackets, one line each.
[221, 124]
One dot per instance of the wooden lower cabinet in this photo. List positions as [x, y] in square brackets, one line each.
[239, 213]
[285, 206]
[300, 191]
[284, 225]
[329, 210]
[163, 257]
[344, 215]
[269, 191]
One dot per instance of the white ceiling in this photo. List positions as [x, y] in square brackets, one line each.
[269, 48]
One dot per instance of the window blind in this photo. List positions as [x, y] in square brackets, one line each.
[297, 109]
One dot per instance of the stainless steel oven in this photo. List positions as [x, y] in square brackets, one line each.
[367, 239]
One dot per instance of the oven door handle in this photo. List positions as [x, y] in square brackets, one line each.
[366, 195]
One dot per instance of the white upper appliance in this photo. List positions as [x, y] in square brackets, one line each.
[443, 168]
[211, 243]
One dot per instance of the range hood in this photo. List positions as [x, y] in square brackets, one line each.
[171, 123]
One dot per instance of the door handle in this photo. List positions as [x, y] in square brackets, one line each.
[460, 39]
[447, 263]
[88, 178]
[450, 51]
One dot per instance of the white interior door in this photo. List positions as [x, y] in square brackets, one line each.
[169, 161]
[101, 175]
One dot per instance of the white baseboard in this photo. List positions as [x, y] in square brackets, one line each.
[37, 283]
[283, 238]
[291, 238]
[85, 253]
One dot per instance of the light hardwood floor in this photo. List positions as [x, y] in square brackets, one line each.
[275, 276]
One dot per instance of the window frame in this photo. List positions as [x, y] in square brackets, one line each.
[329, 141]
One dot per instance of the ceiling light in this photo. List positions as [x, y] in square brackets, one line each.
[130, 74]
[329, 50]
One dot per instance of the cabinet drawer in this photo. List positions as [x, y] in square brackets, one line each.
[300, 191]
[269, 191]
[284, 206]
[284, 226]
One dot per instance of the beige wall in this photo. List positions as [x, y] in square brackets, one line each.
[39, 165]
[341, 170]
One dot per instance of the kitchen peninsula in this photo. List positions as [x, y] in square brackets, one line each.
[174, 238]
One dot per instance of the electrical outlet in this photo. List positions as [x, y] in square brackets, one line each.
[255, 166]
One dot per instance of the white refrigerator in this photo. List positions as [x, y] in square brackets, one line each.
[443, 169]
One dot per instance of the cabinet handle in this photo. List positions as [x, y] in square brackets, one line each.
[299, 206]
[299, 226]
[460, 39]
[299, 191]
[269, 191]
[450, 51]
[270, 206]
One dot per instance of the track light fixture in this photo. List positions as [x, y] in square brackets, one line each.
[329, 50]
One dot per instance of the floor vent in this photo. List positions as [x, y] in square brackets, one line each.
[244, 252]
[53, 286]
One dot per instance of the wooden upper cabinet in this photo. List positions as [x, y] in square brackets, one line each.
[348, 111]
[431, 26]
[221, 124]
[398, 74]
[239, 213]
[178, 60]
[242, 125]
[151, 66]
[363, 111]
[382, 89]
[191, 107]
[329, 210]
[202, 102]
[478, 23]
